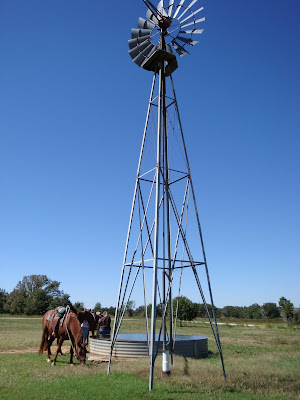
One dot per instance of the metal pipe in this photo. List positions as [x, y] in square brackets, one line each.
[199, 229]
[156, 232]
[130, 222]
[168, 217]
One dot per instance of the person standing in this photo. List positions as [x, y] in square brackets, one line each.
[85, 330]
[104, 325]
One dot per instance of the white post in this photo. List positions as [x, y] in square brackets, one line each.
[165, 363]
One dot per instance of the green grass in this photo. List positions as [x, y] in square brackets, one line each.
[27, 376]
[261, 363]
[21, 333]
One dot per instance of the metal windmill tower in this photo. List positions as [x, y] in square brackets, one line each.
[161, 240]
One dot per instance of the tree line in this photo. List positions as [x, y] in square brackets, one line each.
[184, 309]
[36, 294]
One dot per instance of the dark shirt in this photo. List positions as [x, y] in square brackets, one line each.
[104, 322]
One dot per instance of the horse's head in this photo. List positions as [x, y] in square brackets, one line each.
[81, 352]
[75, 329]
[85, 314]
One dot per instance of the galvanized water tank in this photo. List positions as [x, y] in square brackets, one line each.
[136, 345]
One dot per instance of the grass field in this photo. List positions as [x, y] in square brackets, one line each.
[262, 362]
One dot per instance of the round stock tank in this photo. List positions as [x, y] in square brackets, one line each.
[134, 345]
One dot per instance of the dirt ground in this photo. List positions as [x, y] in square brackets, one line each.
[65, 350]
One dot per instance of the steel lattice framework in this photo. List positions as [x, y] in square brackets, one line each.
[164, 220]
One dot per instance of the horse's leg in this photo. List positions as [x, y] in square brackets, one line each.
[49, 343]
[47, 340]
[71, 354]
[58, 350]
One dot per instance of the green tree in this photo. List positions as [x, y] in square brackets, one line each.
[201, 310]
[3, 299]
[130, 308]
[296, 318]
[111, 310]
[270, 310]
[140, 311]
[287, 308]
[36, 302]
[233, 312]
[63, 300]
[98, 307]
[159, 310]
[187, 310]
[35, 294]
[253, 312]
[78, 305]
[15, 302]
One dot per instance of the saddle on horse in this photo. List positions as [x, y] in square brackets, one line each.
[54, 318]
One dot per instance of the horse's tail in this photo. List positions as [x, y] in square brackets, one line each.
[44, 342]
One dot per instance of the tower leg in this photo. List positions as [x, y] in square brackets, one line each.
[115, 328]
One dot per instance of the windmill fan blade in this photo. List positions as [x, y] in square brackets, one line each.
[170, 7]
[151, 52]
[193, 23]
[189, 41]
[140, 32]
[179, 49]
[134, 52]
[151, 16]
[142, 23]
[169, 49]
[185, 40]
[134, 42]
[178, 8]
[160, 8]
[197, 31]
[149, 13]
[143, 54]
[137, 45]
[138, 49]
[192, 15]
[188, 7]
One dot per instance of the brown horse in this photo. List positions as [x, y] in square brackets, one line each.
[70, 329]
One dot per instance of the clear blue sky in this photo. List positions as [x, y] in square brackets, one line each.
[72, 110]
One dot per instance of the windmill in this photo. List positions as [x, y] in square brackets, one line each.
[160, 240]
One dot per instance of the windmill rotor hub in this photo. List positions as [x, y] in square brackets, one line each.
[164, 23]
